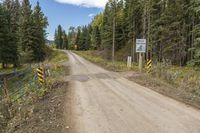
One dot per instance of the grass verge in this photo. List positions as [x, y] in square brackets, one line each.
[180, 83]
[117, 66]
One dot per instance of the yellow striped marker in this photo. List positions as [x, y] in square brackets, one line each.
[148, 66]
[40, 74]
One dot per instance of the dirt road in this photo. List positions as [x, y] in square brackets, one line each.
[106, 102]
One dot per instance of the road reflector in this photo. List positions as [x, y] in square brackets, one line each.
[148, 66]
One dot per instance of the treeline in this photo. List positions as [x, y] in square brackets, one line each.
[60, 38]
[22, 32]
[171, 27]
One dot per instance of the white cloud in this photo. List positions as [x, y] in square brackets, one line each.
[91, 15]
[85, 3]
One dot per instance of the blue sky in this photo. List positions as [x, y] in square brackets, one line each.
[68, 12]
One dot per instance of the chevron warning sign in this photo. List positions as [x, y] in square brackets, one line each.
[41, 75]
[148, 66]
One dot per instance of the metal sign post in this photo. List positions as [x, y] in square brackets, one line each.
[140, 48]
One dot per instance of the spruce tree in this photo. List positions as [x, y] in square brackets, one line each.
[9, 53]
[171, 28]
[3, 36]
[133, 22]
[96, 38]
[88, 37]
[195, 33]
[72, 37]
[60, 37]
[107, 31]
[26, 27]
[78, 37]
[120, 36]
[65, 40]
[39, 34]
[56, 39]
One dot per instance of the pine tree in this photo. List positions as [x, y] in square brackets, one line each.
[120, 26]
[195, 33]
[72, 37]
[39, 34]
[96, 26]
[156, 11]
[65, 41]
[88, 37]
[3, 36]
[59, 37]
[78, 35]
[26, 27]
[171, 28]
[56, 39]
[133, 20]
[107, 31]
[83, 39]
[96, 38]
[10, 49]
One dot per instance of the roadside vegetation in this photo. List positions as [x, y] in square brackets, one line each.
[41, 106]
[27, 105]
[181, 83]
[97, 58]
[169, 37]
[22, 33]
[172, 43]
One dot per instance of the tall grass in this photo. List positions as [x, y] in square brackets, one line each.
[117, 66]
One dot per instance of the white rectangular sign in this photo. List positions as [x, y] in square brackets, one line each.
[140, 45]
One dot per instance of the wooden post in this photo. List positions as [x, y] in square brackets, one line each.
[140, 62]
[134, 58]
[129, 62]
[5, 87]
[113, 47]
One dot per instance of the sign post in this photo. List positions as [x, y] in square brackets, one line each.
[140, 48]
[129, 62]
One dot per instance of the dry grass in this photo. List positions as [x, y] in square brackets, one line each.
[93, 56]
[181, 83]
[56, 57]
[185, 82]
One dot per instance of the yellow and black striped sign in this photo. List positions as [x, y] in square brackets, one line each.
[40, 74]
[148, 66]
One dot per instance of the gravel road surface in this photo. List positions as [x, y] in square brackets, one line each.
[107, 102]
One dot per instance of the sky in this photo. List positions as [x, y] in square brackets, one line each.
[69, 12]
